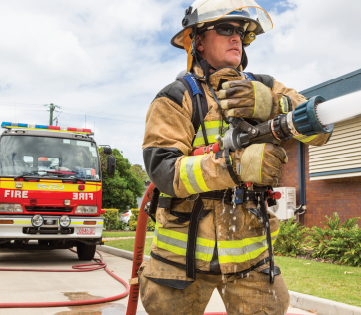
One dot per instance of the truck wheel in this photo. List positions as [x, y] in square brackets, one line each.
[85, 251]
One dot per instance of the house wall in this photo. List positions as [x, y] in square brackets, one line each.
[323, 197]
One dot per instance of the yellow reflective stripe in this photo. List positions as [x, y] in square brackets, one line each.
[255, 98]
[180, 251]
[184, 177]
[305, 138]
[173, 234]
[170, 248]
[242, 258]
[200, 140]
[244, 242]
[284, 104]
[77, 222]
[100, 223]
[204, 253]
[212, 124]
[164, 195]
[260, 169]
[197, 169]
[22, 221]
[191, 175]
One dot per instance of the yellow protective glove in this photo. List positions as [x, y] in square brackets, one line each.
[252, 99]
[259, 163]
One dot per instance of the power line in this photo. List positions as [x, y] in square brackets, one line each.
[80, 110]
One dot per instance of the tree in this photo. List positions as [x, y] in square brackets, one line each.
[121, 190]
[141, 174]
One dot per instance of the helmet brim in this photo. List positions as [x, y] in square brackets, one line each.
[254, 26]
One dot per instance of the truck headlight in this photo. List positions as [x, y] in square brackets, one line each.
[37, 220]
[86, 209]
[64, 221]
[11, 207]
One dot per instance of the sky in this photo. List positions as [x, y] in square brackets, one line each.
[103, 62]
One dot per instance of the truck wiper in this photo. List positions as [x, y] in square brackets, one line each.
[43, 171]
[74, 179]
[27, 174]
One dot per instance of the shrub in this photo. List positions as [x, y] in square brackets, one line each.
[340, 242]
[134, 220]
[111, 218]
[290, 239]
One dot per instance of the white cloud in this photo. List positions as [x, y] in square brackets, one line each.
[114, 56]
[311, 42]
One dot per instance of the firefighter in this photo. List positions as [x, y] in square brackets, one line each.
[203, 240]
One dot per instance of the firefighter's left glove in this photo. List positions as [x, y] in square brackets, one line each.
[253, 100]
[259, 163]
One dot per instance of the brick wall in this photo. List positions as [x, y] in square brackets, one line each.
[323, 197]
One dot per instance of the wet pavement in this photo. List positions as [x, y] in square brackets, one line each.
[20, 286]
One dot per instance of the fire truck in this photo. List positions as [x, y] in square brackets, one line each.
[51, 188]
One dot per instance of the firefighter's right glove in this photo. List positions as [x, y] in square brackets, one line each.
[259, 163]
[253, 100]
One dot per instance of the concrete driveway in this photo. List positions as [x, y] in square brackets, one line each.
[52, 287]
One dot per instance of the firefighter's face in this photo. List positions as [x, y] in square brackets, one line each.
[220, 50]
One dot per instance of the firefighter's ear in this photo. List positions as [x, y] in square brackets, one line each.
[199, 43]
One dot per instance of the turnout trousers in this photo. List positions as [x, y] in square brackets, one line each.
[251, 294]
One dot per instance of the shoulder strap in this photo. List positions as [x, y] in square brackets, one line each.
[263, 78]
[249, 76]
[194, 89]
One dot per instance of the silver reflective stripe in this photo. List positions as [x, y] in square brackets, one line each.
[182, 244]
[243, 250]
[191, 176]
[210, 132]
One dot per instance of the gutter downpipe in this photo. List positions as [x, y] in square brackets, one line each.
[302, 178]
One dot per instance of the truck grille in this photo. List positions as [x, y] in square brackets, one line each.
[47, 230]
[49, 209]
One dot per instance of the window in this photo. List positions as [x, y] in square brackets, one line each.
[341, 156]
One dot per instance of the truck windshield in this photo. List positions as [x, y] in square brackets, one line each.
[48, 157]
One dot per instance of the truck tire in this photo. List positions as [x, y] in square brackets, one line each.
[85, 251]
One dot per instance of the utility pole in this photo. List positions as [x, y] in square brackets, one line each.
[51, 109]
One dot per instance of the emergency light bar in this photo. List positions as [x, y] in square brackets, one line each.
[45, 127]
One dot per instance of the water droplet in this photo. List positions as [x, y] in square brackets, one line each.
[247, 275]
[223, 291]
[234, 218]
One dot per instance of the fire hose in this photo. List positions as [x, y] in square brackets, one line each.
[99, 264]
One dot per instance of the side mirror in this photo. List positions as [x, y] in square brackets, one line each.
[107, 150]
[111, 165]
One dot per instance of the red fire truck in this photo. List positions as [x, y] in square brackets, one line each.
[51, 188]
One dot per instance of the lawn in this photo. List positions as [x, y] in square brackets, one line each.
[122, 233]
[128, 244]
[323, 280]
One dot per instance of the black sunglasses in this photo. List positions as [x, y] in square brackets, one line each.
[225, 30]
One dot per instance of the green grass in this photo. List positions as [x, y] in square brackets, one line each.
[323, 280]
[128, 244]
[122, 234]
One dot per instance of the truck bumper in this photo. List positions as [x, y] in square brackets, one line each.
[20, 227]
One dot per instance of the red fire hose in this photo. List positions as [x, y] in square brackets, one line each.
[99, 264]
